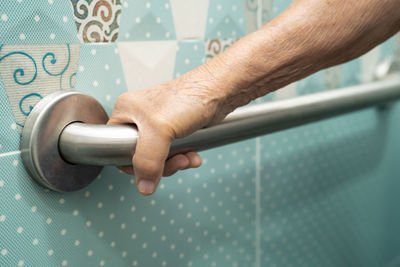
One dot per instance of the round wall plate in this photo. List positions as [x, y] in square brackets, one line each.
[40, 136]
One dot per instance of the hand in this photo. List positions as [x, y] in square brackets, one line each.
[162, 113]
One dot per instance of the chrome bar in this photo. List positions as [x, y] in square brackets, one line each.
[91, 144]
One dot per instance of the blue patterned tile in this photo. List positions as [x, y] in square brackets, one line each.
[37, 22]
[311, 84]
[100, 73]
[195, 218]
[321, 192]
[190, 55]
[146, 20]
[226, 19]
[351, 73]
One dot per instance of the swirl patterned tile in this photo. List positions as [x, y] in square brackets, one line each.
[37, 22]
[97, 20]
[147, 20]
[30, 72]
[215, 47]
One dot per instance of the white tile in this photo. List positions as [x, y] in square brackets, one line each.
[147, 63]
[190, 18]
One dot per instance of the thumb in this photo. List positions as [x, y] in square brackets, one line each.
[148, 162]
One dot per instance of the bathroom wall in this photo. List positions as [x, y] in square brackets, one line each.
[317, 195]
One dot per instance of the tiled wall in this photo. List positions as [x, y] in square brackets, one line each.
[318, 195]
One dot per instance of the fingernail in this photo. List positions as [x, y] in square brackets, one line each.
[146, 187]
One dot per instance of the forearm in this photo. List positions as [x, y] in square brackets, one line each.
[309, 36]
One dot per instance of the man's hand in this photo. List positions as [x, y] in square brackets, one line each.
[162, 113]
[308, 36]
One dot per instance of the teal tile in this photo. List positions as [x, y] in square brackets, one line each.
[278, 6]
[200, 217]
[218, 211]
[322, 192]
[387, 48]
[189, 55]
[100, 73]
[311, 84]
[226, 19]
[351, 73]
[37, 22]
[147, 20]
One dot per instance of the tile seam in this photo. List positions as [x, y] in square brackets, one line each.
[11, 153]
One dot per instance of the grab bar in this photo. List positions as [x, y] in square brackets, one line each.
[65, 142]
[91, 144]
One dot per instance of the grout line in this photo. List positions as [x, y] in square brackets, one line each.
[258, 203]
[10, 153]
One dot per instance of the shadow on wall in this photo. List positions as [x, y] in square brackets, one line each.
[308, 203]
[316, 199]
[333, 163]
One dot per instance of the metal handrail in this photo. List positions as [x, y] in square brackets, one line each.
[91, 144]
[65, 135]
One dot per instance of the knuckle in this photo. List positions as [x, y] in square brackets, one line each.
[125, 100]
[147, 168]
[121, 99]
[162, 126]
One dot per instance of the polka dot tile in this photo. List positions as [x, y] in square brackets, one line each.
[189, 55]
[32, 22]
[323, 194]
[317, 182]
[226, 19]
[200, 216]
[146, 20]
[100, 73]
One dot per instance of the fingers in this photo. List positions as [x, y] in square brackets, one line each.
[149, 159]
[195, 159]
[175, 163]
[182, 162]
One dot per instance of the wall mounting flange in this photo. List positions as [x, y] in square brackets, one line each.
[40, 137]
